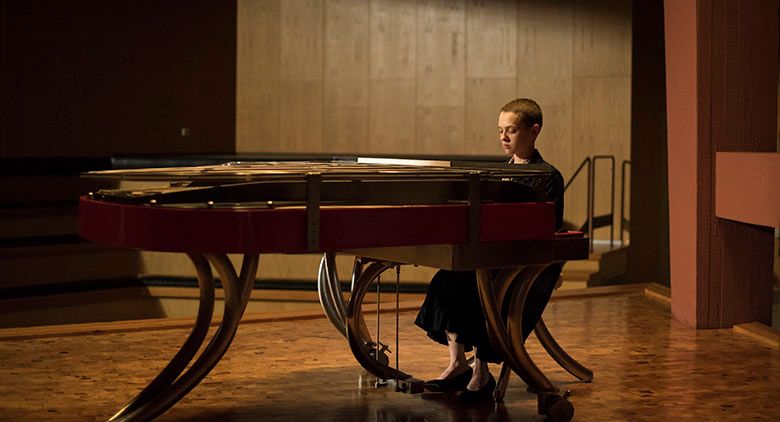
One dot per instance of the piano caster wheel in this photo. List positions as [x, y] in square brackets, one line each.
[559, 410]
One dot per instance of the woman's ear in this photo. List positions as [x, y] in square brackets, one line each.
[535, 129]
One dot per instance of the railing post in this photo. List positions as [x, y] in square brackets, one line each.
[612, 205]
[623, 197]
[591, 200]
[611, 158]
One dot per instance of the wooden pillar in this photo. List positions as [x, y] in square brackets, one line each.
[721, 73]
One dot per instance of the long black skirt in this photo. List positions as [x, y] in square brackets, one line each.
[452, 305]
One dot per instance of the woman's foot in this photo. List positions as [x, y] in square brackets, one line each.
[455, 369]
[483, 393]
[480, 378]
[452, 379]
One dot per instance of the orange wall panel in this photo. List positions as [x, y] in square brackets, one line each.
[747, 187]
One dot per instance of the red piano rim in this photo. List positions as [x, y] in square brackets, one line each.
[283, 230]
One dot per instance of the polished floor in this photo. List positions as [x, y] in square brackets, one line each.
[647, 368]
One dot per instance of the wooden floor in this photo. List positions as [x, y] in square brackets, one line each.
[647, 367]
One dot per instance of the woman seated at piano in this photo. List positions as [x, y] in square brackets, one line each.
[451, 313]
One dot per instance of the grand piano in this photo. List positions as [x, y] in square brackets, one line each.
[449, 215]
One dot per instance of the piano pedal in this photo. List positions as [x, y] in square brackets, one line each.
[383, 351]
[410, 386]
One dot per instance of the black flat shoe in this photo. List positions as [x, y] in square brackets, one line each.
[484, 393]
[456, 383]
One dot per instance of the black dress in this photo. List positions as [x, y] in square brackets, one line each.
[452, 302]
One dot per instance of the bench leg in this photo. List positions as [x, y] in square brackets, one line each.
[502, 383]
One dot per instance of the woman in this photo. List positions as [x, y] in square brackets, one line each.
[452, 314]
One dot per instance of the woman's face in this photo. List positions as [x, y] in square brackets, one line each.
[515, 137]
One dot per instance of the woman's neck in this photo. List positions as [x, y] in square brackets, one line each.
[518, 159]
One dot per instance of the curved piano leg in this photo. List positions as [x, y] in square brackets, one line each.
[187, 351]
[329, 290]
[237, 292]
[357, 269]
[246, 278]
[503, 337]
[357, 332]
[331, 298]
[516, 358]
[550, 403]
[501, 291]
[550, 345]
[559, 355]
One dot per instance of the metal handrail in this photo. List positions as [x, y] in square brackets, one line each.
[590, 162]
[587, 161]
[576, 172]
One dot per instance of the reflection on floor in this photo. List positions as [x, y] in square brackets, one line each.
[647, 367]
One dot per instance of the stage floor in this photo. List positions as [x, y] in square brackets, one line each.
[646, 367]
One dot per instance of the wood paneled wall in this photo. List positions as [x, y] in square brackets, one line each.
[429, 76]
[95, 78]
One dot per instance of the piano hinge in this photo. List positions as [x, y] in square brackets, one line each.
[475, 201]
